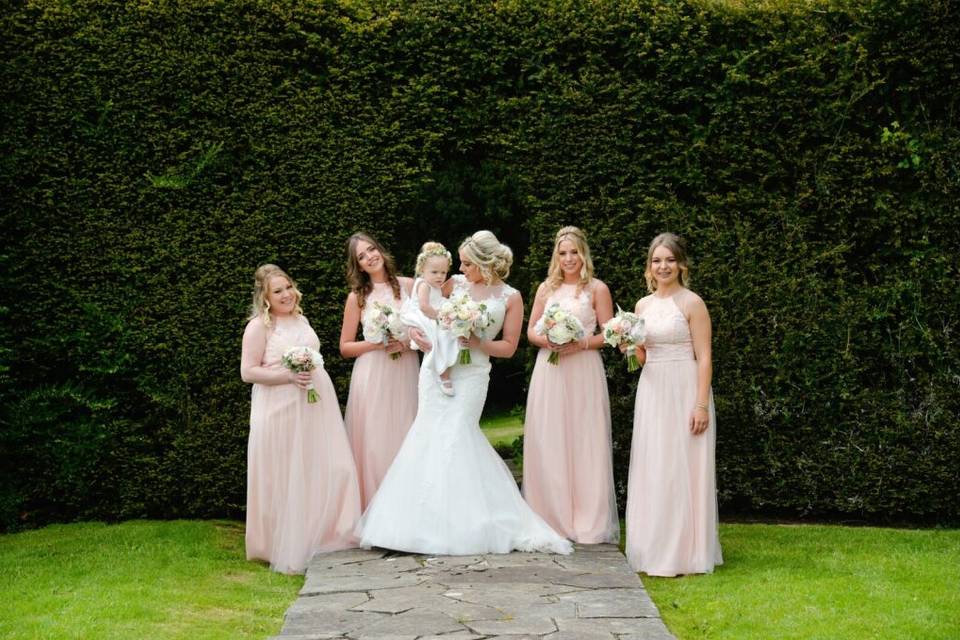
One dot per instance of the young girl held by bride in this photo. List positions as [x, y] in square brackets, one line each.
[420, 311]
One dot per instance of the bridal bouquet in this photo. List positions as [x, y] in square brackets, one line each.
[625, 328]
[300, 360]
[382, 322]
[560, 327]
[462, 315]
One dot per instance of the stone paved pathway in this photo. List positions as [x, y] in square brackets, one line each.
[364, 595]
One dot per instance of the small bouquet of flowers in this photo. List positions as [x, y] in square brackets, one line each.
[560, 327]
[382, 322]
[625, 328]
[303, 359]
[462, 315]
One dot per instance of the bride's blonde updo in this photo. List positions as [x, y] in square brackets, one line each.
[260, 308]
[491, 256]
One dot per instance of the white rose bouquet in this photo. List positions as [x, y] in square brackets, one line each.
[560, 327]
[381, 322]
[461, 315]
[625, 328]
[301, 360]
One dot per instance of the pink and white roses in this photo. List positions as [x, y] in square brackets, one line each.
[560, 327]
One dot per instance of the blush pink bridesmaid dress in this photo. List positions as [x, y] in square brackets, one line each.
[381, 404]
[671, 493]
[567, 455]
[302, 492]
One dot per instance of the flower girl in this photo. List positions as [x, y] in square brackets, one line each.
[420, 311]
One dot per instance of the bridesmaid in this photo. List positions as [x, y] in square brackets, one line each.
[671, 492]
[567, 456]
[302, 492]
[382, 401]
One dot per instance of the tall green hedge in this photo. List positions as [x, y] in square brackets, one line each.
[154, 153]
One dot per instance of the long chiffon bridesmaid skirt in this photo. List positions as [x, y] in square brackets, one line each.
[567, 456]
[302, 492]
[380, 409]
[671, 493]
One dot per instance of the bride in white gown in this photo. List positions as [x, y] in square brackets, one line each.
[447, 491]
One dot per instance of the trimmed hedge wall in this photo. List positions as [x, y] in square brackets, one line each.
[153, 154]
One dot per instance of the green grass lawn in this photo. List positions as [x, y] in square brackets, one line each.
[502, 429]
[807, 581]
[138, 579]
[189, 579]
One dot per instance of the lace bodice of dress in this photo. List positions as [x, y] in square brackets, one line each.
[581, 305]
[668, 333]
[285, 333]
[383, 293]
[495, 298]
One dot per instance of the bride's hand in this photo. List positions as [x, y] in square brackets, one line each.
[417, 336]
[473, 342]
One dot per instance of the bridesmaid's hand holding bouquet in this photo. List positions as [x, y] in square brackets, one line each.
[382, 323]
[625, 328]
[560, 327]
[462, 316]
[303, 360]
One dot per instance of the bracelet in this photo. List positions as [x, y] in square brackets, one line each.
[701, 405]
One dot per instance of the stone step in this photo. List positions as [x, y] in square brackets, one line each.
[591, 594]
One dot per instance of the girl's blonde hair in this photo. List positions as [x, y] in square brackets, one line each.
[579, 240]
[260, 308]
[491, 256]
[359, 280]
[431, 250]
[678, 248]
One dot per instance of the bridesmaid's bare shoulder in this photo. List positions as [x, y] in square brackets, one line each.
[690, 302]
[406, 283]
[598, 286]
[542, 291]
[256, 327]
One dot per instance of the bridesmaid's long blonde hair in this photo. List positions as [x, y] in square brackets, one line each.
[678, 248]
[260, 307]
[579, 240]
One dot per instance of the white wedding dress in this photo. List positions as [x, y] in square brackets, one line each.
[447, 491]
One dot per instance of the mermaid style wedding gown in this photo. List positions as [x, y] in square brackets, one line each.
[447, 491]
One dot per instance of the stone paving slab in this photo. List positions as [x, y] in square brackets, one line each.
[591, 594]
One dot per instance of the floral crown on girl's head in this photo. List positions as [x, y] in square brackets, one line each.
[439, 250]
[436, 250]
